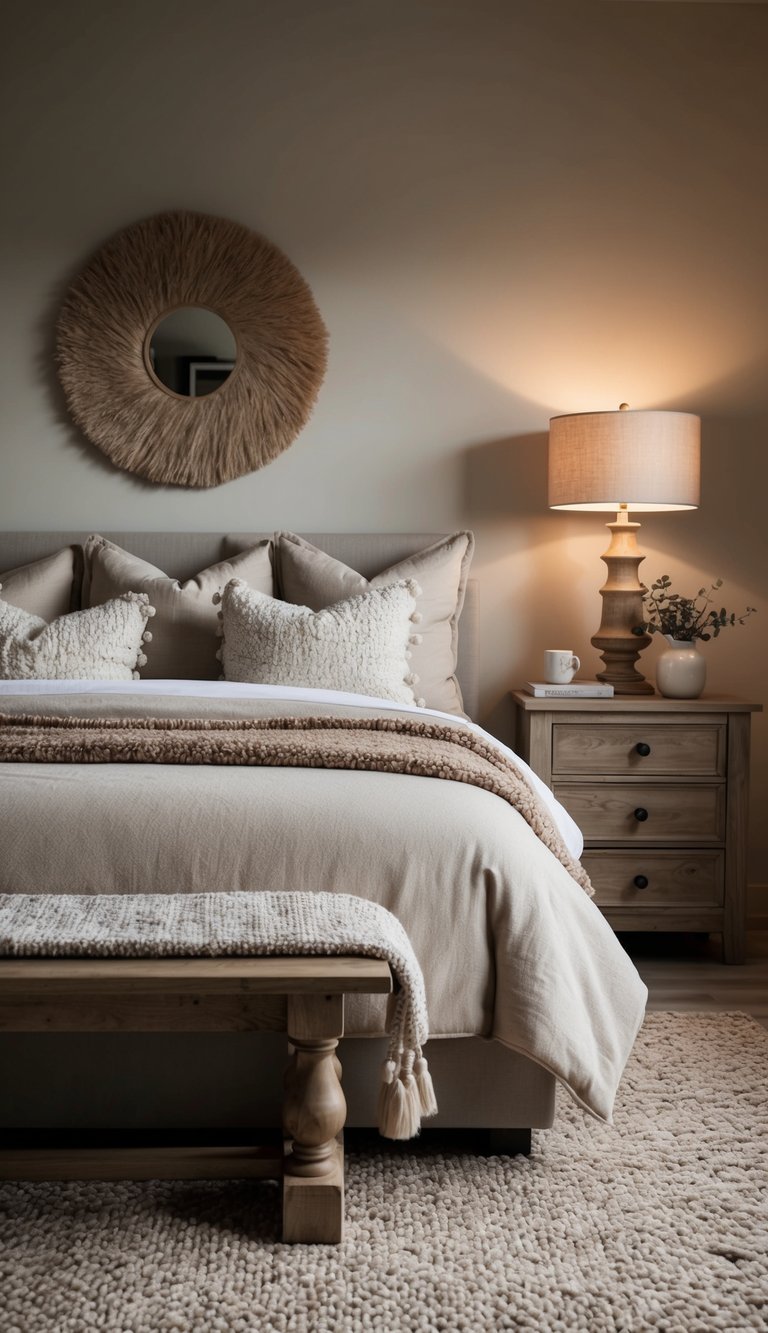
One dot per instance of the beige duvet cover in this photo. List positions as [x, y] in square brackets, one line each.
[511, 947]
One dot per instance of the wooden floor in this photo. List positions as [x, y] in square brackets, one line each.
[685, 972]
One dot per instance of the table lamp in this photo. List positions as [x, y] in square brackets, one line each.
[622, 461]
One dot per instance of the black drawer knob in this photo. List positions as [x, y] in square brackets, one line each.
[642, 748]
[640, 881]
[641, 815]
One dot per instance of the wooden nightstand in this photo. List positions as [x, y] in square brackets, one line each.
[659, 789]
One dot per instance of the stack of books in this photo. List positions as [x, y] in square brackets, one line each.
[578, 689]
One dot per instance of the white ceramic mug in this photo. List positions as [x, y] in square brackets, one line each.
[560, 666]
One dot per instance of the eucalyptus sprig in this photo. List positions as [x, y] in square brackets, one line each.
[686, 617]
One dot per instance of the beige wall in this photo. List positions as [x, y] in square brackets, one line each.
[506, 208]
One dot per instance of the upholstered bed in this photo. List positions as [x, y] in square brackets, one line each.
[511, 946]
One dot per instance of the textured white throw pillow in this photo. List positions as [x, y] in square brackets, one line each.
[102, 643]
[361, 644]
[308, 576]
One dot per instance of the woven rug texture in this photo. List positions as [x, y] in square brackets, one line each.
[658, 1223]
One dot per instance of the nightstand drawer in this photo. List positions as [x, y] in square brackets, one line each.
[635, 748]
[648, 812]
[654, 878]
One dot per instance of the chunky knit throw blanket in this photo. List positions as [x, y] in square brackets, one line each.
[240, 925]
[388, 745]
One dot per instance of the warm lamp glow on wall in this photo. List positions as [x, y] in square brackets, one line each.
[622, 461]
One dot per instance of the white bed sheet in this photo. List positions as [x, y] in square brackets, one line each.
[225, 689]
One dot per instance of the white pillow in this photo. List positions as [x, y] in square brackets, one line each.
[102, 643]
[361, 645]
[307, 576]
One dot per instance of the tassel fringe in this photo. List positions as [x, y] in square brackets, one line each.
[427, 1098]
[406, 1095]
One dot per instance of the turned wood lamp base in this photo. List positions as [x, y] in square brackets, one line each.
[651, 459]
[622, 595]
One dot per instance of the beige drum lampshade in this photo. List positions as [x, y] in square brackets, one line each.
[603, 460]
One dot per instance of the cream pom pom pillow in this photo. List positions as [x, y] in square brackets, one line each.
[307, 576]
[102, 643]
[360, 645]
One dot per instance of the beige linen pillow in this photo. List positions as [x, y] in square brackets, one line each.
[43, 587]
[103, 643]
[309, 577]
[184, 639]
[360, 644]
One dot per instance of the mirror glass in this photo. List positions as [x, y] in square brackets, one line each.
[192, 351]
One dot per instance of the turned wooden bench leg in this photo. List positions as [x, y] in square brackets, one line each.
[314, 1111]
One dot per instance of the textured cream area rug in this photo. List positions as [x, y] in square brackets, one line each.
[659, 1223]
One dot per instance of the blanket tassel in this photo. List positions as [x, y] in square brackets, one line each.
[406, 1095]
[396, 1112]
[424, 1084]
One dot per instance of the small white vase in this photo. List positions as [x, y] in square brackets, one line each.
[681, 671]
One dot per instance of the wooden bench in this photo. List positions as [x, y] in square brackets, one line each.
[302, 996]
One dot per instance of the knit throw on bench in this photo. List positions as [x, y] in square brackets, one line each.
[386, 745]
[242, 925]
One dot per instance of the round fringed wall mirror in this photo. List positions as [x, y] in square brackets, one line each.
[190, 350]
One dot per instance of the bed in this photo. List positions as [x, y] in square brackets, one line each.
[526, 983]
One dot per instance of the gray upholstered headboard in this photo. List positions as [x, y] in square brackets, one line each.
[183, 554]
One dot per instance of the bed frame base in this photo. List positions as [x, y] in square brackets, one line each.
[483, 1142]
